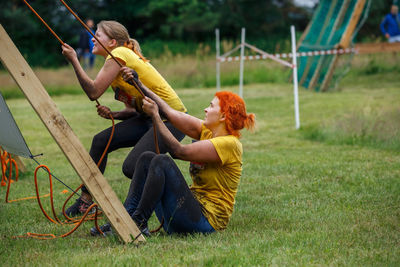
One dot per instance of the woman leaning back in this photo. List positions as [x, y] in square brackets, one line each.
[135, 129]
[215, 167]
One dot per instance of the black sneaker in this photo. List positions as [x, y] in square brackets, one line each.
[105, 228]
[79, 207]
[142, 225]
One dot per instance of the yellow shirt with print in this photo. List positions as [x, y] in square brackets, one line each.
[148, 75]
[215, 184]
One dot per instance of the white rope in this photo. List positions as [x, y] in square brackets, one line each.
[265, 55]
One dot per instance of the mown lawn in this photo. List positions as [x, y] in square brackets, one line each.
[300, 202]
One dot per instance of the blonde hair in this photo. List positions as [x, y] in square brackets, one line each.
[117, 31]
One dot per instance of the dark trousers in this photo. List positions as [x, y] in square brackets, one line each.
[136, 132]
[158, 185]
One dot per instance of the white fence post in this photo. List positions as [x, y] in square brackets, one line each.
[241, 63]
[295, 82]
[217, 45]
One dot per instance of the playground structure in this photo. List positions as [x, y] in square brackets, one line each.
[62, 133]
[329, 35]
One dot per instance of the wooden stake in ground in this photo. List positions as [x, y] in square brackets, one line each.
[67, 140]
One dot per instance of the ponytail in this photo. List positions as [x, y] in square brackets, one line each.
[250, 122]
[117, 31]
[236, 117]
[134, 45]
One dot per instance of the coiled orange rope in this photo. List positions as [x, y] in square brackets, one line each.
[56, 220]
[76, 221]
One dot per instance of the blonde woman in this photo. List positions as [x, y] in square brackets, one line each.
[135, 128]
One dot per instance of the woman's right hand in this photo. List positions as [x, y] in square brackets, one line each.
[68, 52]
[126, 74]
[103, 111]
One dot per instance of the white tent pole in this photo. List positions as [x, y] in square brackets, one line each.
[217, 45]
[295, 82]
[241, 63]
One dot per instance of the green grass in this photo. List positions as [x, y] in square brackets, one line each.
[302, 200]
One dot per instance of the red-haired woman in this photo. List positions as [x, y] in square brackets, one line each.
[215, 166]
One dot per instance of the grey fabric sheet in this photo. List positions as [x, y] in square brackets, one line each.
[11, 138]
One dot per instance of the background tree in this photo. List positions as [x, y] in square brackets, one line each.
[181, 23]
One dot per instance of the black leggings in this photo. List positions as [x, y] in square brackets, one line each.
[136, 132]
[158, 185]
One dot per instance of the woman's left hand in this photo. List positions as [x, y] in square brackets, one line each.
[150, 107]
[68, 52]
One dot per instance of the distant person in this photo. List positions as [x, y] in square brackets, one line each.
[85, 47]
[390, 25]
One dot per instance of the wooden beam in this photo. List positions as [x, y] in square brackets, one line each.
[323, 59]
[370, 48]
[328, 76]
[310, 61]
[347, 36]
[67, 140]
[344, 42]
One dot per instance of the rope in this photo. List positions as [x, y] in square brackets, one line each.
[3, 166]
[132, 82]
[56, 220]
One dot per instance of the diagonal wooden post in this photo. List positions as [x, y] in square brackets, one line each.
[344, 42]
[67, 140]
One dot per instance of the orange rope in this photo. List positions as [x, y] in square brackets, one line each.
[98, 164]
[132, 82]
[56, 220]
[9, 177]
[3, 165]
[3, 168]
[45, 24]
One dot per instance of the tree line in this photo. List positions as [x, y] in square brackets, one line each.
[186, 21]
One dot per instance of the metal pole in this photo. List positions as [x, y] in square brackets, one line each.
[241, 63]
[295, 82]
[217, 45]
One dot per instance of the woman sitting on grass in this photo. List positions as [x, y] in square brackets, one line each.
[215, 167]
[135, 130]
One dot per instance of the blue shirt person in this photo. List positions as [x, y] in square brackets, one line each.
[84, 50]
[390, 25]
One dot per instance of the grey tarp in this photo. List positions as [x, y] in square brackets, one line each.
[11, 139]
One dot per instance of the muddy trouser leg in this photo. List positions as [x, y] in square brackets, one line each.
[158, 185]
[146, 143]
[127, 133]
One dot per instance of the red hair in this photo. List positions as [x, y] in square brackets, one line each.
[234, 109]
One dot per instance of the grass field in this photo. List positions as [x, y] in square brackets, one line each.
[307, 198]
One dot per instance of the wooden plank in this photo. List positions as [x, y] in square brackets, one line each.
[370, 48]
[321, 33]
[67, 140]
[346, 38]
[329, 73]
[323, 59]
[344, 42]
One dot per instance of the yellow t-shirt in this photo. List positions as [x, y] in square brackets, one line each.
[148, 75]
[215, 184]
